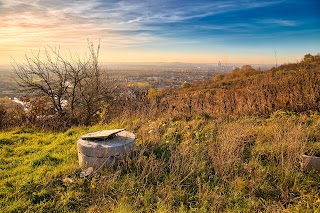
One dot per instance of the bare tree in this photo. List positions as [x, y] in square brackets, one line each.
[75, 86]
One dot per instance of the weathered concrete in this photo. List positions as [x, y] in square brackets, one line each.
[104, 148]
[311, 162]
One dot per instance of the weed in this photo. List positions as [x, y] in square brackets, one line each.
[248, 164]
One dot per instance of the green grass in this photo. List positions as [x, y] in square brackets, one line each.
[34, 165]
[199, 165]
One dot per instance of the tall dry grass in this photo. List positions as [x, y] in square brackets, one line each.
[291, 88]
[197, 165]
[249, 164]
[231, 148]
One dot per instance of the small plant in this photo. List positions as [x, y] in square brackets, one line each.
[185, 85]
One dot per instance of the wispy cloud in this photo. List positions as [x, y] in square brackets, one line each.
[130, 23]
[279, 22]
[155, 12]
[62, 23]
[109, 18]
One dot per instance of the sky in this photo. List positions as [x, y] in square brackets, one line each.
[193, 31]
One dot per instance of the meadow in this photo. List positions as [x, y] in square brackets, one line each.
[247, 164]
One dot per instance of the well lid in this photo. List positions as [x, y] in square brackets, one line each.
[101, 135]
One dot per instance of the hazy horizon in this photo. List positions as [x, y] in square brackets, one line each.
[164, 31]
[157, 64]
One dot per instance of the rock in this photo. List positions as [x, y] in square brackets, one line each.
[87, 172]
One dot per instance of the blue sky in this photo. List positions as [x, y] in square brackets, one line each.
[199, 31]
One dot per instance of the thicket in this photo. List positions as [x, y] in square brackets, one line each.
[62, 89]
[245, 91]
[93, 97]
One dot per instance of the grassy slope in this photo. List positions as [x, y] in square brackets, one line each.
[247, 164]
[34, 165]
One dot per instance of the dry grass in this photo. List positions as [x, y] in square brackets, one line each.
[197, 150]
[246, 165]
[243, 165]
[231, 148]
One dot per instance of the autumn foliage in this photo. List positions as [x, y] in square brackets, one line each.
[244, 91]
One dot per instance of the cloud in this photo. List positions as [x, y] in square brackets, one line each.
[279, 22]
[155, 12]
[42, 22]
[118, 23]
[103, 18]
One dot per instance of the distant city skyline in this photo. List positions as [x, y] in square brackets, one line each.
[195, 31]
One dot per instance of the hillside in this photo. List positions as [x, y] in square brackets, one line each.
[231, 144]
[245, 91]
[250, 164]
